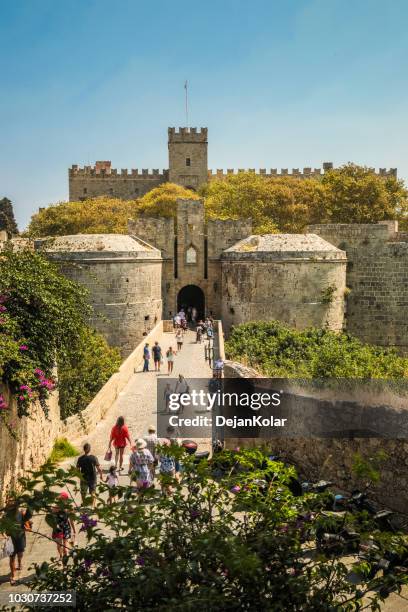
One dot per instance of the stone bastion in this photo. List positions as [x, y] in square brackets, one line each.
[299, 279]
[123, 275]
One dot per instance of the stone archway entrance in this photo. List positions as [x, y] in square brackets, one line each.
[191, 296]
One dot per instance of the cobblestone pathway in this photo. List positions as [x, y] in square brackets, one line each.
[137, 403]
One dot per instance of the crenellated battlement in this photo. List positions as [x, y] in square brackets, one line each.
[307, 172]
[184, 134]
[188, 167]
[104, 169]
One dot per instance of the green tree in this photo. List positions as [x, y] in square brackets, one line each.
[162, 201]
[350, 194]
[104, 215]
[93, 216]
[280, 204]
[356, 195]
[7, 219]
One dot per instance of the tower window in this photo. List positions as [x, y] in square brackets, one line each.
[191, 255]
[188, 161]
[85, 190]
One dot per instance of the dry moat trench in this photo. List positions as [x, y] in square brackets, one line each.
[332, 458]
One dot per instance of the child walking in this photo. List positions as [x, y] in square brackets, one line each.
[112, 480]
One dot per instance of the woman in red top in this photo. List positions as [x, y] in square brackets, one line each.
[119, 436]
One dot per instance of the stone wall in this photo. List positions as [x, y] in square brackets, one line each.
[297, 173]
[35, 439]
[301, 292]
[91, 182]
[377, 276]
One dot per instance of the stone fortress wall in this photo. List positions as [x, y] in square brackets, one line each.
[103, 180]
[377, 277]
[316, 173]
[188, 166]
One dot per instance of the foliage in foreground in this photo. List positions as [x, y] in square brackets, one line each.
[280, 351]
[62, 449]
[216, 545]
[43, 323]
[105, 215]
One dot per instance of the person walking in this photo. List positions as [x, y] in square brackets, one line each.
[89, 466]
[139, 465]
[199, 333]
[219, 367]
[167, 393]
[146, 357]
[157, 356]
[179, 339]
[151, 443]
[120, 437]
[112, 480]
[170, 354]
[64, 528]
[167, 466]
[20, 521]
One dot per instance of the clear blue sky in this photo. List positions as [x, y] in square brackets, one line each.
[286, 83]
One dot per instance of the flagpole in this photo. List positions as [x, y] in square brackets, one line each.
[186, 88]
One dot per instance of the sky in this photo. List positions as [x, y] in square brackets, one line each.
[285, 84]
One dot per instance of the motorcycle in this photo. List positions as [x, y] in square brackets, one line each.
[191, 447]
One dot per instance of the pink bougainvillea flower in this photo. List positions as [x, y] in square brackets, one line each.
[2, 308]
[235, 489]
[21, 398]
[39, 372]
[3, 403]
[24, 388]
[3, 298]
[23, 347]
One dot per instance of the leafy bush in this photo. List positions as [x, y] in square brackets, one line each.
[279, 351]
[62, 449]
[226, 544]
[84, 371]
[43, 323]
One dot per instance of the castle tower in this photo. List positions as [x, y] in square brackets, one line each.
[188, 164]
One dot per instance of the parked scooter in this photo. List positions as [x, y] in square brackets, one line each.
[316, 487]
[191, 447]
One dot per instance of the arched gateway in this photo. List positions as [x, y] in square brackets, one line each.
[192, 295]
